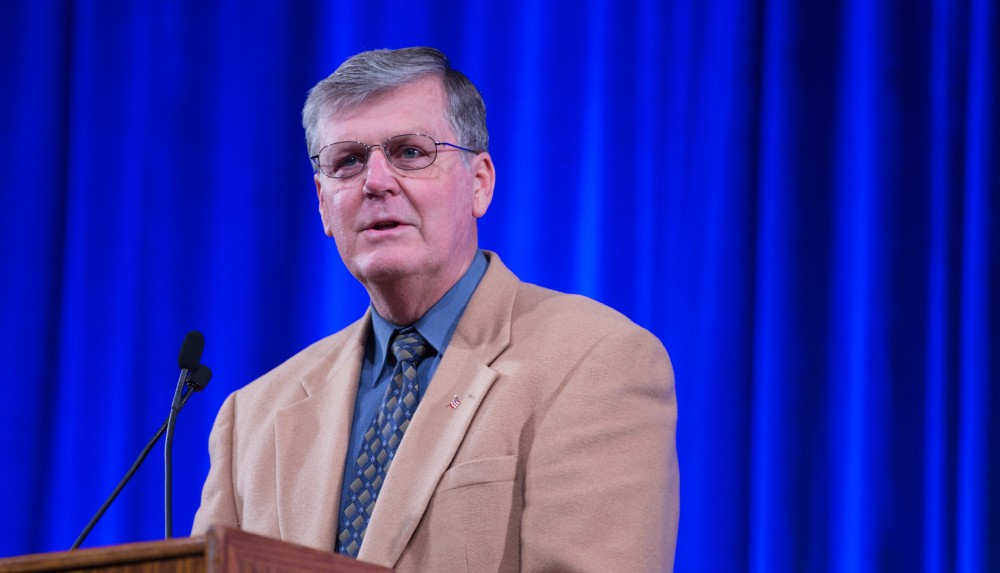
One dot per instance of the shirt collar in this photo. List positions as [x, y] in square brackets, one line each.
[438, 324]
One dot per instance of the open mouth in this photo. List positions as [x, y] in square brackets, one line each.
[385, 225]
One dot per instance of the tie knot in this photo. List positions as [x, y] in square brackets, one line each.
[408, 345]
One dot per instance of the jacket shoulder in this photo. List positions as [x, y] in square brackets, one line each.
[552, 309]
[290, 380]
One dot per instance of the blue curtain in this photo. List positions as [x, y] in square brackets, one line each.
[800, 199]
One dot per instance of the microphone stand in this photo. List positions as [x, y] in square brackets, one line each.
[168, 444]
[128, 475]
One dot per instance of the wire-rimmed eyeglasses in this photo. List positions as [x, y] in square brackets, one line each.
[409, 152]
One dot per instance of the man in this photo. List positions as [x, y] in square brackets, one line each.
[525, 429]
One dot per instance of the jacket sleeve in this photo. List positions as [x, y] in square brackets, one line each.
[602, 481]
[218, 496]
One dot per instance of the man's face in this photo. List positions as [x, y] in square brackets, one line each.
[392, 224]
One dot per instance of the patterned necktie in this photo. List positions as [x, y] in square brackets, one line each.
[381, 440]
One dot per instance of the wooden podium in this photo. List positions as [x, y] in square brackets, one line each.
[222, 550]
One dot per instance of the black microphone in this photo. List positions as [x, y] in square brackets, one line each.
[199, 379]
[190, 355]
[195, 382]
[189, 360]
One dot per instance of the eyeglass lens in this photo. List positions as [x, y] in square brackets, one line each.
[346, 158]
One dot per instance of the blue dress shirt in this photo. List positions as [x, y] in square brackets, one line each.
[437, 327]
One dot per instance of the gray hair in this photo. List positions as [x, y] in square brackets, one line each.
[367, 75]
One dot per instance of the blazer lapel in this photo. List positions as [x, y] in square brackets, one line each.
[437, 430]
[311, 439]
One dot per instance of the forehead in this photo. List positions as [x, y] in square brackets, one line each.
[416, 107]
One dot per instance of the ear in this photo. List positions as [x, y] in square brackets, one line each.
[484, 179]
[324, 207]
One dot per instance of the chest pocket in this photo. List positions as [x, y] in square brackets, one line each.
[481, 471]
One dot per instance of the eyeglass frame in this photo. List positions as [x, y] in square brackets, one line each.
[368, 153]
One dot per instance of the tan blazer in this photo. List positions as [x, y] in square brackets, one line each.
[560, 455]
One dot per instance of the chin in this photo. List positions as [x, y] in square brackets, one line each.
[384, 266]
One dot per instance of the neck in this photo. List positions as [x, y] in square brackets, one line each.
[404, 300]
[399, 306]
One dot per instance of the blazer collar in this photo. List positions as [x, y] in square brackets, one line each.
[311, 439]
[437, 430]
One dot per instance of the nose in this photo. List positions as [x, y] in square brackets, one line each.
[380, 178]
